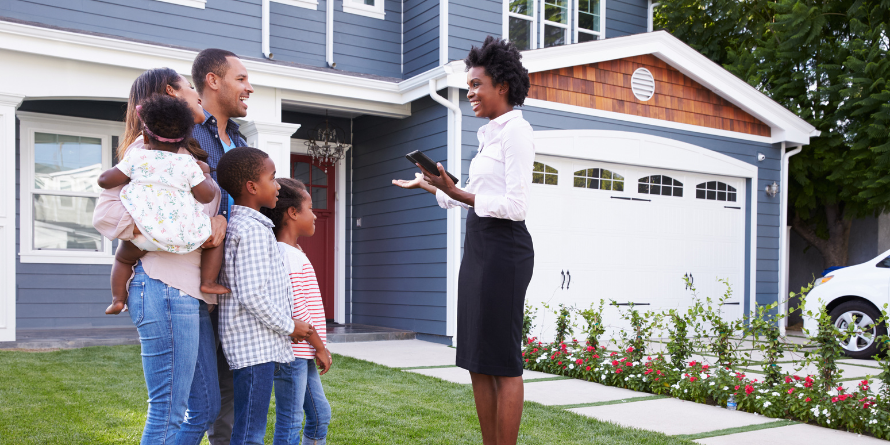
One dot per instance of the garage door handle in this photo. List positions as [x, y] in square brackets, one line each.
[734, 304]
[570, 280]
[730, 207]
[563, 279]
[621, 197]
[628, 304]
[640, 199]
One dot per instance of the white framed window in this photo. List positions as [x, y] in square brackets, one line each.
[60, 161]
[544, 174]
[590, 20]
[660, 185]
[555, 23]
[520, 19]
[599, 179]
[367, 8]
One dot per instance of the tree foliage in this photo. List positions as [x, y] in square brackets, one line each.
[826, 61]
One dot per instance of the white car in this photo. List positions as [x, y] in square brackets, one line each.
[854, 296]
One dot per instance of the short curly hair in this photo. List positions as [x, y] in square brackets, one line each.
[292, 194]
[166, 117]
[239, 165]
[502, 61]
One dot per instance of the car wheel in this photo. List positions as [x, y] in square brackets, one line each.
[863, 319]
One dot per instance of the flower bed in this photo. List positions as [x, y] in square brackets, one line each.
[795, 397]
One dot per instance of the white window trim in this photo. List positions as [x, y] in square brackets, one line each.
[31, 123]
[190, 3]
[567, 27]
[375, 12]
[308, 4]
[602, 32]
[505, 28]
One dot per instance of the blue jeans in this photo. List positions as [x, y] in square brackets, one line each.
[178, 360]
[253, 391]
[297, 389]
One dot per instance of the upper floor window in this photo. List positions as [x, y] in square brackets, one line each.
[600, 179]
[61, 159]
[589, 20]
[544, 174]
[520, 23]
[660, 185]
[715, 191]
[367, 8]
[555, 26]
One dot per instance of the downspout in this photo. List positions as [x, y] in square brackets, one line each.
[453, 222]
[443, 32]
[267, 53]
[652, 7]
[783, 235]
[329, 33]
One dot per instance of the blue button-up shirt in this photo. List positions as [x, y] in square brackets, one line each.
[207, 135]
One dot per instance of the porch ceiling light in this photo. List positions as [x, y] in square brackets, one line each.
[325, 144]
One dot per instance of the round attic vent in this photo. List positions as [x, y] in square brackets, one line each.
[643, 84]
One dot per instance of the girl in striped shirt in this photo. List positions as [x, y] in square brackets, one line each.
[297, 384]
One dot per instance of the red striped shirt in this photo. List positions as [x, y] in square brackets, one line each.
[307, 297]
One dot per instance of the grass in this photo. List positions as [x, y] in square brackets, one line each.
[97, 396]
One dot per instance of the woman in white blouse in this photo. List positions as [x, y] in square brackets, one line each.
[498, 253]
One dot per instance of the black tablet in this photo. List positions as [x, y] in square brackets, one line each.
[418, 157]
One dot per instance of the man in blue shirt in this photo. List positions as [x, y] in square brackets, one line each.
[221, 81]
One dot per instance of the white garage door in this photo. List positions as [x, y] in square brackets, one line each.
[630, 234]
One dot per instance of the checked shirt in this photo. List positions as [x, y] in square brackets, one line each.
[255, 319]
[208, 137]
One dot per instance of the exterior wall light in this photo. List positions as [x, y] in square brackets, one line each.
[772, 189]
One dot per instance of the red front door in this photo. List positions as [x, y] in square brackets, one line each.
[319, 248]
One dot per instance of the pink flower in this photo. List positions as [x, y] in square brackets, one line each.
[559, 363]
[691, 379]
[749, 389]
[787, 379]
[656, 379]
[807, 400]
[629, 350]
[589, 348]
[615, 363]
[613, 354]
[535, 350]
[595, 356]
[618, 370]
[736, 387]
[692, 363]
[790, 391]
[834, 400]
[579, 361]
[588, 368]
[705, 368]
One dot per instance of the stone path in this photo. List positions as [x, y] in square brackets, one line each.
[715, 426]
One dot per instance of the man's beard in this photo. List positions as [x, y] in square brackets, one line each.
[233, 105]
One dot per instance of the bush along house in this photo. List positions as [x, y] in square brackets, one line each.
[653, 163]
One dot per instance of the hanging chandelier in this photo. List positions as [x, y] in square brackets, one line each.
[325, 144]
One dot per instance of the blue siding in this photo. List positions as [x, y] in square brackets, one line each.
[421, 36]
[63, 296]
[399, 253]
[624, 17]
[350, 223]
[298, 34]
[231, 24]
[469, 22]
[767, 230]
[368, 45]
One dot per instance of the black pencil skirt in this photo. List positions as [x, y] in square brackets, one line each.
[494, 275]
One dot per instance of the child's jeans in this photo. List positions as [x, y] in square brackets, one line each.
[297, 389]
[253, 392]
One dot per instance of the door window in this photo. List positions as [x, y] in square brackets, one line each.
[316, 181]
[544, 174]
[599, 179]
[660, 185]
[715, 191]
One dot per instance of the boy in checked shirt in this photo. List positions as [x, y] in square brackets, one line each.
[255, 324]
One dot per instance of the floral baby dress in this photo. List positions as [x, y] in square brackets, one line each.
[159, 198]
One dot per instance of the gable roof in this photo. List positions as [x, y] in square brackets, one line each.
[785, 126]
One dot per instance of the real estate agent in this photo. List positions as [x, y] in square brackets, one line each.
[498, 253]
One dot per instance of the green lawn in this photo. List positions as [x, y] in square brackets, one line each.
[97, 396]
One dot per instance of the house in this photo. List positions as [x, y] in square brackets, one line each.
[653, 163]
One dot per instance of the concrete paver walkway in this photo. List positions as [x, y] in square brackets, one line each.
[621, 406]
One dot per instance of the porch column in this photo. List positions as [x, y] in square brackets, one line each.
[274, 139]
[8, 104]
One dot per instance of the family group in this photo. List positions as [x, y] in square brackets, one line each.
[226, 303]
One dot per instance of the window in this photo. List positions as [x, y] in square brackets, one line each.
[599, 179]
[61, 159]
[367, 8]
[589, 20]
[555, 24]
[660, 185]
[544, 174]
[316, 181]
[519, 23]
[715, 191]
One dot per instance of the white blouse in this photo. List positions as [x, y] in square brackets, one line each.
[501, 171]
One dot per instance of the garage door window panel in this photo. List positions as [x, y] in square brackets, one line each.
[544, 174]
[660, 185]
[599, 179]
[716, 191]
